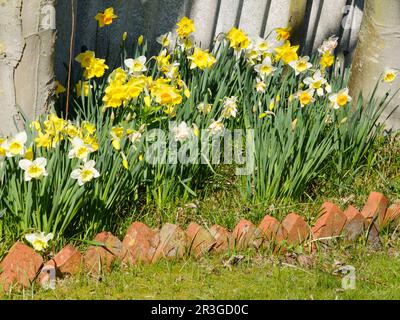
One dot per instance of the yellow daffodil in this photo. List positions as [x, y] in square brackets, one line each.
[238, 39]
[82, 87]
[201, 59]
[282, 34]
[287, 53]
[106, 18]
[265, 68]
[44, 140]
[327, 60]
[96, 69]
[185, 27]
[59, 88]
[86, 58]
[390, 75]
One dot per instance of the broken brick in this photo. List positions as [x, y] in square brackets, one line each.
[246, 234]
[173, 243]
[297, 230]
[200, 240]
[330, 223]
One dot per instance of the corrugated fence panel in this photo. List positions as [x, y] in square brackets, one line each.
[155, 17]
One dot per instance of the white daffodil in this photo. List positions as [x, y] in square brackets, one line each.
[80, 149]
[136, 66]
[15, 146]
[260, 86]
[33, 169]
[216, 127]
[328, 45]
[305, 97]
[265, 68]
[301, 65]
[261, 45]
[340, 99]
[135, 136]
[390, 75]
[85, 173]
[165, 39]
[181, 132]
[317, 82]
[39, 241]
[229, 107]
[204, 108]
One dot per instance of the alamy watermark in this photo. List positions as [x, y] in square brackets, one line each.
[183, 145]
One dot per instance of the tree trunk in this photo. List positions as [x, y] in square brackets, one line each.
[27, 37]
[378, 47]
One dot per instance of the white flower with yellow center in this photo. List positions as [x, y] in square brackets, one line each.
[260, 86]
[216, 127]
[80, 149]
[33, 169]
[261, 45]
[390, 75]
[301, 65]
[305, 97]
[328, 45]
[204, 108]
[136, 66]
[317, 82]
[39, 241]
[85, 173]
[340, 99]
[181, 132]
[15, 146]
[165, 39]
[229, 107]
[265, 68]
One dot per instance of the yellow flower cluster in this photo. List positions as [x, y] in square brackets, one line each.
[185, 28]
[106, 18]
[94, 67]
[238, 39]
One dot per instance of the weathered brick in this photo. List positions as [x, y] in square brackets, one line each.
[224, 239]
[20, 266]
[141, 243]
[330, 223]
[200, 240]
[173, 243]
[100, 258]
[297, 230]
[375, 208]
[271, 229]
[246, 234]
[354, 226]
[392, 214]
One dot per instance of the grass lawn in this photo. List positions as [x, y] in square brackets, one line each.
[255, 277]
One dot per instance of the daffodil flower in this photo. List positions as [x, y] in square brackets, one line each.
[390, 75]
[204, 108]
[33, 169]
[301, 65]
[317, 82]
[16, 146]
[80, 149]
[260, 86]
[181, 132]
[165, 39]
[229, 107]
[265, 68]
[136, 66]
[39, 241]
[340, 99]
[85, 173]
[216, 127]
[328, 45]
[305, 97]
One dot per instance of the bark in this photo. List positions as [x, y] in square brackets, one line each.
[27, 37]
[378, 47]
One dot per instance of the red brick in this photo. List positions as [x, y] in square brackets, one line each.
[392, 214]
[101, 257]
[200, 240]
[141, 243]
[354, 226]
[224, 239]
[271, 229]
[330, 223]
[375, 208]
[20, 266]
[173, 243]
[246, 234]
[297, 230]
